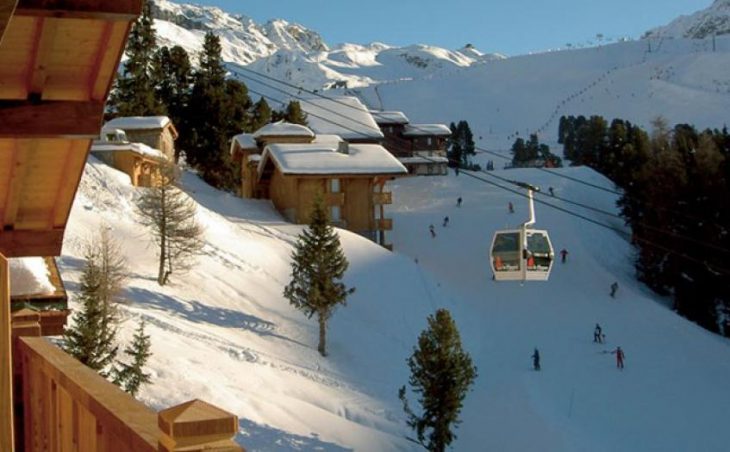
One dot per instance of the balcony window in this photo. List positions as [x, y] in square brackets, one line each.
[334, 185]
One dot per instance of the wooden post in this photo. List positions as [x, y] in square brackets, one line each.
[7, 442]
[197, 426]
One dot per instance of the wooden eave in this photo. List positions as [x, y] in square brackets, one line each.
[58, 59]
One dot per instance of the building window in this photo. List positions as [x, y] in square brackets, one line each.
[335, 215]
[429, 141]
[334, 185]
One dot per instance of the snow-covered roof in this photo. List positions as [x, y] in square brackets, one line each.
[333, 140]
[426, 130]
[341, 115]
[138, 122]
[420, 159]
[139, 148]
[254, 158]
[245, 141]
[29, 276]
[389, 117]
[283, 129]
[324, 158]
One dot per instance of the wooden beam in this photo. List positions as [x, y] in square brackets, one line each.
[122, 10]
[24, 243]
[36, 73]
[18, 171]
[50, 119]
[6, 360]
[7, 7]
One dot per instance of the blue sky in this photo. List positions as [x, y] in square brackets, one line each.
[511, 27]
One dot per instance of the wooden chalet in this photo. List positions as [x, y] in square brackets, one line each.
[57, 62]
[157, 132]
[291, 165]
[140, 162]
[420, 147]
[49, 303]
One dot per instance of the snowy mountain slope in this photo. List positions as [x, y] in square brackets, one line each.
[681, 79]
[297, 54]
[226, 334]
[714, 20]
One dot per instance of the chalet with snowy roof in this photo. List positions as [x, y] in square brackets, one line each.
[140, 162]
[420, 147]
[37, 291]
[157, 132]
[351, 177]
[344, 116]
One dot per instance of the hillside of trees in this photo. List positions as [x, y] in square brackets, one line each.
[206, 107]
[676, 198]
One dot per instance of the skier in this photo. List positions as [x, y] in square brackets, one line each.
[510, 207]
[552, 193]
[456, 170]
[598, 334]
[536, 359]
[619, 357]
[446, 221]
[614, 288]
[433, 232]
[458, 202]
[563, 255]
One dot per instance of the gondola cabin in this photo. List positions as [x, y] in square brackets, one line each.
[521, 255]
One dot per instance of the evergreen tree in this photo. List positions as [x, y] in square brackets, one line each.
[131, 376]
[172, 71]
[91, 337]
[261, 114]
[318, 267]
[171, 215]
[453, 148]
[294, 113]
[441, 374]
[134, 89]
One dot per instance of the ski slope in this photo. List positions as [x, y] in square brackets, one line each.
[224, 332]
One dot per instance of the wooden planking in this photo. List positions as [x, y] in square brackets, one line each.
[112, 55]
[49, 119]
[66, 192]
[119, 416]
[18, 171]
[7, 7]
[31, 243]
[122, 10]
[6, 384]
[38, 67]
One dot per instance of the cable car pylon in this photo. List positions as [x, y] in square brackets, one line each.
[523, 254]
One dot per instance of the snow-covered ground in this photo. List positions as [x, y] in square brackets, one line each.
[224, 332]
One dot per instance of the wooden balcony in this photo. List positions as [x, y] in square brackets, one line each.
[380, 198]
[334, 199]
[67, 406]
[384, 224]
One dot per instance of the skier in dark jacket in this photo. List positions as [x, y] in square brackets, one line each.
[563, 255]
[536, 360]
[614, 288]
[458, 202]
[510, 207]
[598, 334]
[446, 221]
[433, 232]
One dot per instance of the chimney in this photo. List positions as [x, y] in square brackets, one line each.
[343, 147]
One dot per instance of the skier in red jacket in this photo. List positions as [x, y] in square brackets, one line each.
[619, 357]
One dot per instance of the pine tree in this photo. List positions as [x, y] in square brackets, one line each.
[172, 72]
[91, 338]
[134, 93]
[171, 216]
[441, 373]
[294, 113]
[453, 150]
[132, 375]
[261, 114]
[317, 270]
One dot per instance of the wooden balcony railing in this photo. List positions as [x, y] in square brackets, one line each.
[384, 224]
[380, 198]
[67, 406]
